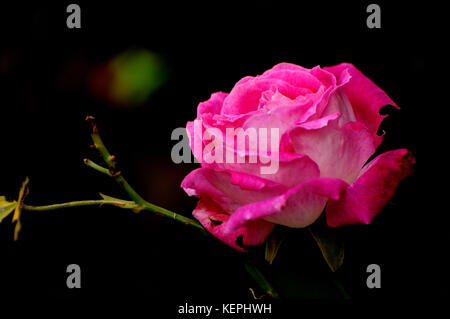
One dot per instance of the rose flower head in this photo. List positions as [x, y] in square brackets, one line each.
[282, 146]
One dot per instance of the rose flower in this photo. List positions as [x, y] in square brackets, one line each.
[326, 122]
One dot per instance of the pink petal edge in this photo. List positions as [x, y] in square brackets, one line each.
[369, 193]
[364, 95]
[299, 207]
[213, 218]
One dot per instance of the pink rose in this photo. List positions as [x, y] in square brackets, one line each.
[327, 121]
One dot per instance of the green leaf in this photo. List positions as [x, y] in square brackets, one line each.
[329, 242]
[273, 243]
[16, 217]
[6, 207]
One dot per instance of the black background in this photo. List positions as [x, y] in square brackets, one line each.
[207, 47]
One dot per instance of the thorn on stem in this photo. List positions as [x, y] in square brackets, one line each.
[115, 174]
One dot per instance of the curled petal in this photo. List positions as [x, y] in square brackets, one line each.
[365, 96]
[230, 190]
[299, 207]
[320, 122]
[245, 96]
[213, 105]
[373, 188]
[298, 78]
[284, 115]
[339, 103]
[213, 218]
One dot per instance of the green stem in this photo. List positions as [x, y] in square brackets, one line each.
[117, 175]
[110, 161]
[122, 204]
[97, 167]
[144, 205]
[167, 213]
[80, 203]
[138, 203]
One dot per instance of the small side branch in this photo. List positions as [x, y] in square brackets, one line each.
[97, 167]
[111, 163]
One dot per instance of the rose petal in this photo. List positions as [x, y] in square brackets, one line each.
[368, 194]
[319, 123]
[195, 135]
[284, 115]
[229, 189]
[339, 152]
[326, 100]
[338, 103]
[292, 169]
[297, 78]
[213, 105]
[365, 96]
[245, 97]
[299, 207]
[212, 217]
